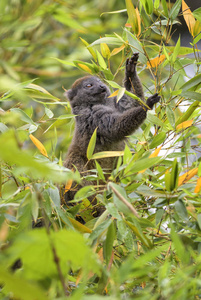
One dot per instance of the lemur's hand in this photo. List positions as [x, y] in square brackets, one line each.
[131, 64]
[153, 100]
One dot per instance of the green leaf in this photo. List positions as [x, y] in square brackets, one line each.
[108, 40]
[199, 220]
[165, 9]
[148, 6]
[180, 209]
[142, 164]
[168, 181]
[101, 60]
[154, 120]
[170, 116]
[197, 14]
[136, 228]
[90, 49]
[92, 144]
[64, 62]
[193, 82]
[174, 175]
[100, 171]
[21, 288]
[188, 113]
[114, 84]
[159, 215]
[192, 95]
[181, 251]
[100, 229]
[49, 113]
[175, 10]
[24, 116]
[34, 249]
[3, 127]
[136, 46]
[156, 4]
[66, 19]
[176, 50]
[108, 244]
[157, 140]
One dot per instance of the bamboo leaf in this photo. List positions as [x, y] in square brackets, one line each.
[132, 15]
[108, 244]
[165, 8]
[101, 61]
[187, 176]
[84, 68]
[188, 17]
[39, 145]
[176, 50]
[155, 62]
[90, 49]
[184, 124]
[188, 113]
[107, 154]
[175, 10]
[92, 144]
[105, 50]
[174, 175]
[157, 140]
[156, 152]
[21, 288]
[198, 186]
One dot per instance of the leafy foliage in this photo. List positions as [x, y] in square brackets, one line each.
[147, 243]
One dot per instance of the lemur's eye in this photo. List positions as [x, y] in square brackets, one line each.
[89, 85]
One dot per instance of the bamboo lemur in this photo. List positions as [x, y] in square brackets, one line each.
[114, 120]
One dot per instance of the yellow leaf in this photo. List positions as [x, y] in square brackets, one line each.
[133, 18]
[197, 28]
[114, 94]
[39, 145]
[117, 50]
[156, 152]
[184, 124]
[85, 68]
[155, 62]
[187, 176]
[139, 21]
[68, 185]
[80, 227]
[107, 154]
[198, 186]
[105, 50]
[188, 17]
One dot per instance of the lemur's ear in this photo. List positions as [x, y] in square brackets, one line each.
[70, 94]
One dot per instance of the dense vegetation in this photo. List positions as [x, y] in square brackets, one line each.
[147, 243]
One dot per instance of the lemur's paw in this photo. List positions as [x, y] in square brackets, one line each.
[153, 100]
[131, 62]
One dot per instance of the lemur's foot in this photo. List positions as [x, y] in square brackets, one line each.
[153, 100]
[131, 64]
